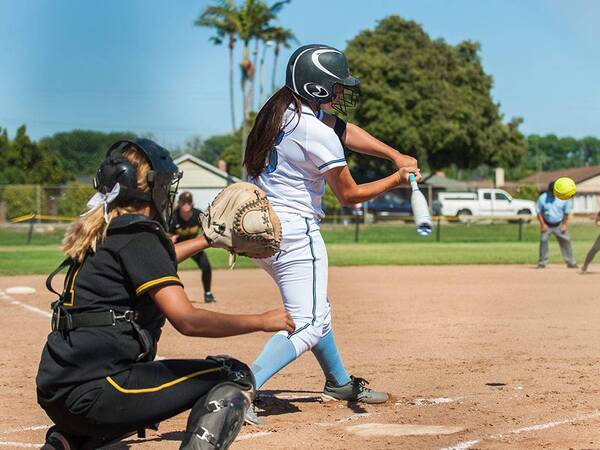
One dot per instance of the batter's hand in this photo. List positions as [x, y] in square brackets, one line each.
[405, 161]
[278, 319]
[404, 173]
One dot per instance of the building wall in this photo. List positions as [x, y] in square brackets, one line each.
[195, 176]
[202, 196]
[590, 185]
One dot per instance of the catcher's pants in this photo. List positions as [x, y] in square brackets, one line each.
[143, 395]
[300, 271]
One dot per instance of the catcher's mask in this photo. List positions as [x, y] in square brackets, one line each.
[314, 70]
[163, 178]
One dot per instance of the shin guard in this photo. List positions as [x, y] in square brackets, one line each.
[216, 418]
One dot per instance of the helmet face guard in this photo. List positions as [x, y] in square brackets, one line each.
[313, 73]
[163, 178]
[348, 98]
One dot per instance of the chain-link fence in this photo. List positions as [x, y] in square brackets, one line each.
[46, 203]
[26, 209]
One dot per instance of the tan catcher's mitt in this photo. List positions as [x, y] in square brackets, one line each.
[241, 220]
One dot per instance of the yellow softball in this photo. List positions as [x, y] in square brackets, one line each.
[564, 188]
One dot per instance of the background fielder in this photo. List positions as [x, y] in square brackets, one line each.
[186, 225]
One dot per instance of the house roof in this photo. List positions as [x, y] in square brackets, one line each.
[440, 181]
[205, 165]
[578, 174]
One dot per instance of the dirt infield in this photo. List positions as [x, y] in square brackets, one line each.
[474, 357]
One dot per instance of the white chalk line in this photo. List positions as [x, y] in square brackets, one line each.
[23, 429]
[536, 427]
[430, 401]
[33, 309]
[19, 444]
[346, 419]
[465, 445]
[243, 437]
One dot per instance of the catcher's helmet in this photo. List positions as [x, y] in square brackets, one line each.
[313, 71]
[163, 177]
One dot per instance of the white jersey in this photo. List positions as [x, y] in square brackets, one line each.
[294, 178]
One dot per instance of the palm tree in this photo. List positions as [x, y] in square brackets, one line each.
[254, 18]
[282, 37]
[224, 18]
[267, 42]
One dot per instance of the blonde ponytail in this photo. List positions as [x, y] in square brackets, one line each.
[83, 235]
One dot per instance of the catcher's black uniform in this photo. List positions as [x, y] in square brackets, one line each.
[188, 229]
[97, 378]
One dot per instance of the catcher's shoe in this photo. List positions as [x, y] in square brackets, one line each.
[56, 440]
[251, 418]
[209, 297]
[353, 391]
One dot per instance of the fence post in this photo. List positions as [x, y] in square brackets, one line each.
[520, 229]
[38, 202]
[30, 234]
[356, 228]
[438, 229]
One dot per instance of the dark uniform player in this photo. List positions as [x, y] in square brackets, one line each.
[186, 225]
[97, 380]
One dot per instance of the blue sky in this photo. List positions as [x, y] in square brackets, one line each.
[141, 65]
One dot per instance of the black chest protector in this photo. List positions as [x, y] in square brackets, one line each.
[145, 318]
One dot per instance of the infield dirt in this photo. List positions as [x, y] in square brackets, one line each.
[473, 356]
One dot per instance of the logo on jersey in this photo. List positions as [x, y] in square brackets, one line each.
[316, 90]
[316, 62]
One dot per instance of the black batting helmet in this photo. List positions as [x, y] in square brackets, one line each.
[313, 71]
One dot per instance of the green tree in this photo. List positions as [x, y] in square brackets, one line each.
[23, 161]
[429, 99]
[23, 199]
[74, 199]
[82, 151]
[213, 147]
[282, 37]
[231, 153]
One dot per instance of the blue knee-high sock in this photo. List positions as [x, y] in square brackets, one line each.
[277, 354]
[327, 354]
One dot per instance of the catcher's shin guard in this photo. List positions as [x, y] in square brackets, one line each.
[216, 418]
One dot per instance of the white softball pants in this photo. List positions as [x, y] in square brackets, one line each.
[300, 271]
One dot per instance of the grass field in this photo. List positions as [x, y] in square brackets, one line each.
[380, 244]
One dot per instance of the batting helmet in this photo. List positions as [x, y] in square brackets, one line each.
[313, 71]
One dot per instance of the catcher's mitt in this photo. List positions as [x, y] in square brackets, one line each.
[241, 220]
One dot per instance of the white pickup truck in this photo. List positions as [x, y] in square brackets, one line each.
[483, 202]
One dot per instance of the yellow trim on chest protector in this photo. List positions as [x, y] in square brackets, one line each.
[151, 283]
[162, 386]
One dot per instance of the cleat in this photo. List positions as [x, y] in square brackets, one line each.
[56, 440]
[209, 297]
[353, 391]
[251, 418]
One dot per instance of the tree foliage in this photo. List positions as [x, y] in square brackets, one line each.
[429, 99]
[82, 151]
[23, 161]
[551, 152]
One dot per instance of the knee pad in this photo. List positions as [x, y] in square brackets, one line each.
[216, 418]
[236, 372]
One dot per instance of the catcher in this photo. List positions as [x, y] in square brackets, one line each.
[97, 378]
